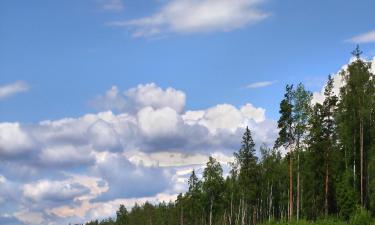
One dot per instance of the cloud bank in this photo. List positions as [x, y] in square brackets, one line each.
[140, 146]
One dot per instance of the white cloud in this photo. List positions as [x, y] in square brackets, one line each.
[67, 156]
[251, 112]
[260, 84]
[12, 89]
[151, 95]
[367, 37]
[225, 117]
[46, 190]
[14, 140]
[159, 122]
[139, 97]
[103, 136]
[192, 16]
[112, 99]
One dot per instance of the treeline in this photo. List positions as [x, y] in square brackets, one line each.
[327, 171]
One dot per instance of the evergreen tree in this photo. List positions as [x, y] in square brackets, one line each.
[247, 176]
[122, 216]
[329, 109]
[286, 137]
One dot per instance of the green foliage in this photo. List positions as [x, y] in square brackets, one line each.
[361, 217]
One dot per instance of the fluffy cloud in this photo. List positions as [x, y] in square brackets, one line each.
[74, 169]
[12, 89]
[160, 122]
[141, 96]
[56, 191]
[191, 16]
[152, 95]
[66, 156]
[225, 117]
[14, 140]
[128, 180]
[103, 136]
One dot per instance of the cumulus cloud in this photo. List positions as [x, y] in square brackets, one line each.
[367, 37]
[260, 84]
[141, 96]
[45, 190]
[225, 117]
[12, 89]
[103, 136]
[74, 168]
[14, 140]
[128, 180]
[193, 16]
[159, 122]
[67, 156]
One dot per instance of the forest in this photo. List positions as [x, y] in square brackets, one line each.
[321, 169]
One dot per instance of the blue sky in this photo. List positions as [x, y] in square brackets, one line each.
[67, 54]
[101, 98]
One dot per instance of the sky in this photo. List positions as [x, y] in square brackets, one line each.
[108, 102]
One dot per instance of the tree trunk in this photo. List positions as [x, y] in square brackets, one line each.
[361, 156]
[239, 213]
[212, 202]
[243, 213]
[270, 205]
[254, 216]
[354, 161]
[290, 186]
[298, 186]
[224, 217]
[231, 209]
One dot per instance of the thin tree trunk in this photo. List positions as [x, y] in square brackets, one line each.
[361, 156]
[354, 161]
[298, 186]
[239, 213]
[243, 213]
[224, 218]
[231, 209]
[254, 216]
[290, 185]
[270, 205]
[212, 202]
